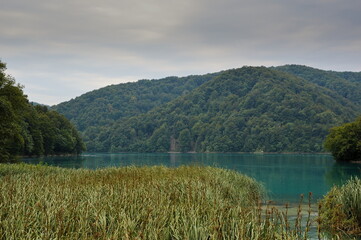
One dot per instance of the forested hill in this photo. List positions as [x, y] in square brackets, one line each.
[288, 108]
[241, 110]
[106, 105]
[31, 130]
[346, 84]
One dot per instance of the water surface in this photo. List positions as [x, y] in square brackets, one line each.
[285, 176]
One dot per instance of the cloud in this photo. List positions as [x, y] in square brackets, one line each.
[96, 43]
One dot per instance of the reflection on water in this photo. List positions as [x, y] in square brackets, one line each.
[340, 172]
[286, 176]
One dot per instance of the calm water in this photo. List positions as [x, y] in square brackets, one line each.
[285, 176]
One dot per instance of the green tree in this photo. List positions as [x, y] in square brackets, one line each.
[160, 140]
[12, 102]
[29, 130]
[344, 142]
[185, 140]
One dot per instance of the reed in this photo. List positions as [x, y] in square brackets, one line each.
[340, 209]
[41, 202]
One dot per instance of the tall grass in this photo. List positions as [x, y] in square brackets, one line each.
[340, 210]
[39, 202]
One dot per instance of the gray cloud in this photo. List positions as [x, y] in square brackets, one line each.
[61, 49]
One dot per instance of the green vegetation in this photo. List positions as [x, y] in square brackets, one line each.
[41, 202]
[105, 106]
[345, 84]
[282, 109]
[340, 210]
[241, 110]
[29, 130]
[344, 142]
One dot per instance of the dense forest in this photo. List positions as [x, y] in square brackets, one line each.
[31, 130]
[251, 109]
[107, 105]
[346, 84]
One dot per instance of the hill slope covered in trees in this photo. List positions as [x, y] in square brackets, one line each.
[346, 84]
[106, 105]
[240, 110]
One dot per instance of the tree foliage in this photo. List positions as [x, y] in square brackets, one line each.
[241, 110]
[345, 84]
[109, 104]
[344, 142]
[29, 130]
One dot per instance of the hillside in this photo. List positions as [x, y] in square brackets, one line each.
[104, 106]
[350, 76]
[346, 84]
[241, 110]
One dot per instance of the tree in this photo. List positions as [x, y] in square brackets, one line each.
[29, 130]
[160, 140]
[344, 142]
[12, 102]
[184, 140]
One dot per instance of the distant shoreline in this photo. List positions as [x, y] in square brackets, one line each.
[50, 155]
[192, 152]
[320, 153]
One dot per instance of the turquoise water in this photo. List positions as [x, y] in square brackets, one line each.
[285, 176]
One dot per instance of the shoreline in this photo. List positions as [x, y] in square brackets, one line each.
[320, 153]
[192, 152]
[50, 155]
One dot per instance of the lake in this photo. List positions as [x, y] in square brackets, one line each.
[285, 176]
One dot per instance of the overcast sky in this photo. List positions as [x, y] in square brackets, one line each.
[61, 49]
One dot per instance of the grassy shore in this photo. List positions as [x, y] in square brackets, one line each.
[42, 202]
[340, 210]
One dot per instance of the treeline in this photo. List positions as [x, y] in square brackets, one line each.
[31, 130]
[241, 110]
